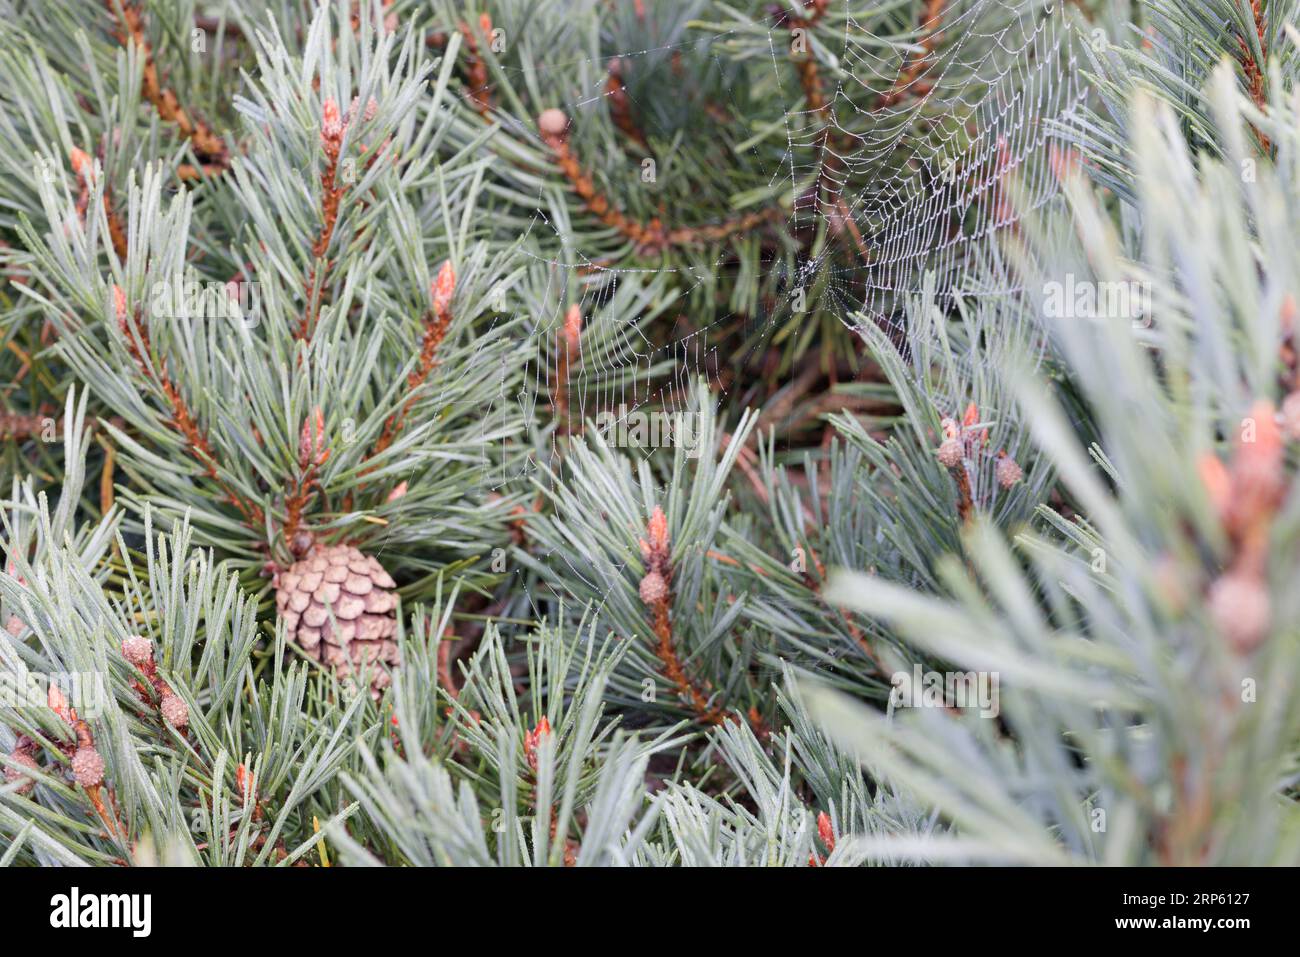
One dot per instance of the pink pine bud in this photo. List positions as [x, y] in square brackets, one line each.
[88, 767]
[1239, 605]
[119, 305]
[13, 773]
[554, 126]
[311, 440]
[1008, 471]
[532, 739]
[443, 288]
[331, 127]
[398, 491]
[174, 711]
[14, 626]
[653, 588]
[138, 650]
[1257, 472]
[58, 703]
[657, 529]
[80, 161]
[1218, 484]
[573, 327]
[825, 830]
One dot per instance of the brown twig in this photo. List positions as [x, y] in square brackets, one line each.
[957, 444]
[620, 105]
[85, 171]
[656, 592]
[806, 65]
[208, 147]
[649, 237]
[136, 335]
[476, 67]
[437, 322]
[567, 349]
[106, 478]
[87, 765]
[312, 454]
[1255, 82]
[444, 666]
[907, 83]
[331, 140]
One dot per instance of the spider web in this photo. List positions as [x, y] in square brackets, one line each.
[927, 165]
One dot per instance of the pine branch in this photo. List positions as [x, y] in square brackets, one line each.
[211, 151]
[135, 334]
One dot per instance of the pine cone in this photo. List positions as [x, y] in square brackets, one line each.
[354, 587]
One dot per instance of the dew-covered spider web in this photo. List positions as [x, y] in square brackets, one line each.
[915, 150]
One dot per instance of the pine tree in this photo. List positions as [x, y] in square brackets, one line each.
[563, 434]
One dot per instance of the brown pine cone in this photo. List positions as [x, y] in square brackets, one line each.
[354, 587]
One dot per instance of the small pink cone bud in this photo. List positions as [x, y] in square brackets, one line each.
[657, 529]
[573, 328]
[88, 767]
[331, 127]
[1217, 482]
[174, 711]
[825, 830]
[119, 305]
[950, 453]
[1009, 471]
[653, 588]
[80, 161]
[1239, 605]
[13, 773]
[311, 440]
[58, 703]
[398, 491]
[444, 287]
[138, 650]
[14, 626]
[553, 125]
[1258, 478]
[534, 738]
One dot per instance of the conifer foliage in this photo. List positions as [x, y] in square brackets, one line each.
[550, 433]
